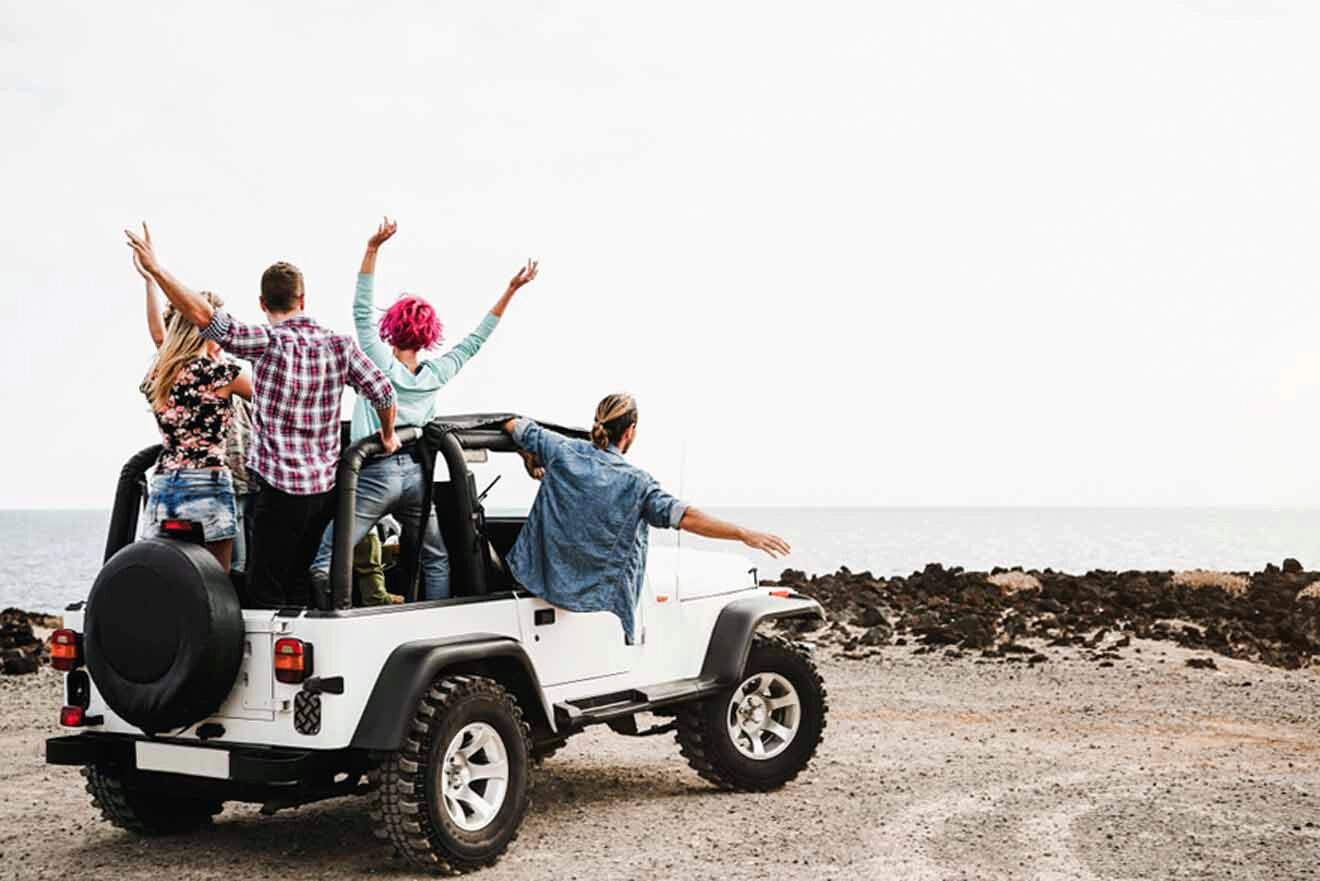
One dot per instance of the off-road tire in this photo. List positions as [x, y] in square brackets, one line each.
[703, 736]
[405, 804]
[140, 804]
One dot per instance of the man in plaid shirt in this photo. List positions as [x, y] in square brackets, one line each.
[299, 370]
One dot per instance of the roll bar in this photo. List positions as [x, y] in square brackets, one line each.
[128, 500]
[466, 560]
[346, 481]
[487, 439]
[478, 432]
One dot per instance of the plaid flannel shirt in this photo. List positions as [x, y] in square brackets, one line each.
[299, 370]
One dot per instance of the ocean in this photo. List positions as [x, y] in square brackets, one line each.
[50, 558]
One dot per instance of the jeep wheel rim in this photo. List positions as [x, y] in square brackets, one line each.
[474, 777]
[764, 715]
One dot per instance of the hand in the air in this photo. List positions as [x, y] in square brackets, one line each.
[764, 541]
[144, 258]
[137, 264]
[386, 229]
[526, 274]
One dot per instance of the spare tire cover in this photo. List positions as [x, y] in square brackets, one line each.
[163, 634]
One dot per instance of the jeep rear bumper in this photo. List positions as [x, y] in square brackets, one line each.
[246, 764]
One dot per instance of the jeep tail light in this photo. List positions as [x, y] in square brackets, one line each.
[71, 717]
[782, 594]
[65, 650]
[293, 660]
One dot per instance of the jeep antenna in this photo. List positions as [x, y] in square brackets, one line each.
[682, 479]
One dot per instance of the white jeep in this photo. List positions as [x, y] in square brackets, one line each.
[178, 700]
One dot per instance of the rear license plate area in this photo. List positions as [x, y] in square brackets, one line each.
[190, 760]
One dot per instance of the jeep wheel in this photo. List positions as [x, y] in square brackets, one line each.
[761, 733]
[139, 803]
[453, 798]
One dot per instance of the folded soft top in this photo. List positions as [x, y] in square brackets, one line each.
[495, 422]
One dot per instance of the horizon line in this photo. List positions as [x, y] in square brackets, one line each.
[1239, 506]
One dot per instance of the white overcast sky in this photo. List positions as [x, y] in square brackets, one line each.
[883, 253]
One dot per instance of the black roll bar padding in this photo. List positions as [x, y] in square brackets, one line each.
[467, 561]
[470, 559]
[486, 439]
[128, 500]
[346, 481]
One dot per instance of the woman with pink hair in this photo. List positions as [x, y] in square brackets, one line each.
[398, 345]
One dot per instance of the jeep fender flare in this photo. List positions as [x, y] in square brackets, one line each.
[731, 638]
[411, 668]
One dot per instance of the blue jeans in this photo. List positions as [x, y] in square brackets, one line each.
[203, 495]
[395, 485]
[242, 530]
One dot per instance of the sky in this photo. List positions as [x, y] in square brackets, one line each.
[1023, 252]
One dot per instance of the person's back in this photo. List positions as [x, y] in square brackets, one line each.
[584, 545]
[299, 370]
[190, 389]
[397, 345]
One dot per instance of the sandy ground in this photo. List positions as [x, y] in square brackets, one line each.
[932, 768]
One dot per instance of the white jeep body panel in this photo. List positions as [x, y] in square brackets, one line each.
[577, 656]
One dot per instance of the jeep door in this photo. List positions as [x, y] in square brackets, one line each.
[572, 646]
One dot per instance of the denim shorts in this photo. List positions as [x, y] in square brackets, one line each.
[202, 495]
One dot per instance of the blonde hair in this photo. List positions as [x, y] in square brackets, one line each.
[183, 342]
[614, 415]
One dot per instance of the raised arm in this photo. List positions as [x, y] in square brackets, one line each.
[155, 315]
[448, 364]
[191, 305]
[244, 340]
[383, 234]
[364, 304]
[526, 274]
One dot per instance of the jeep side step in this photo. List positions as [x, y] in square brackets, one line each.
[602, 708]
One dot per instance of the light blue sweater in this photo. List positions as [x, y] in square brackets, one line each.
[417, 398]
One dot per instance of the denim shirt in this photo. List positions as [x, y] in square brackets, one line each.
[583, 547]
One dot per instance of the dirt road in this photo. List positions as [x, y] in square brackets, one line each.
[932, 768]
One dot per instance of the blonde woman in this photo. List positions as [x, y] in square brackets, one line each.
[189, 387]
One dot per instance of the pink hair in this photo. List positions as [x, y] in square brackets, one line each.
[411, 323]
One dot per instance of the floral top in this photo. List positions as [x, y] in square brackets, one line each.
[195, 421]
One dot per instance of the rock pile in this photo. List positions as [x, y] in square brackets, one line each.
[1271, 617]
[21, 649]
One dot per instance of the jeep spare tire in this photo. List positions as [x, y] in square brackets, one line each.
[163, 634]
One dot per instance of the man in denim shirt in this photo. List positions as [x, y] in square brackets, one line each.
[584, 545]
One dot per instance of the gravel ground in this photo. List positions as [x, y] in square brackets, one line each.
[932, 768]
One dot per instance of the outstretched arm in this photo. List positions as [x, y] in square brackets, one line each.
[526, 274]
[701, 523]
[448, 364]
[386, 229]
[364, 300]
[191, 305]
[155, 317]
